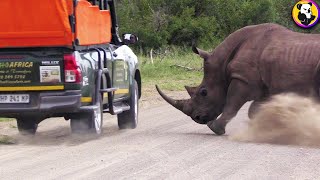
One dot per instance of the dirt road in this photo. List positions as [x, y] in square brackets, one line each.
[166, 145]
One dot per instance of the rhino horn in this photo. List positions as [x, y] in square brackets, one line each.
[190, 90]
[200, 52]
[179, 104]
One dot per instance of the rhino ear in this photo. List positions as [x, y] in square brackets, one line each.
[191, 90]
[201, 53]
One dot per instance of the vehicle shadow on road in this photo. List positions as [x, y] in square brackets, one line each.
[63, 136]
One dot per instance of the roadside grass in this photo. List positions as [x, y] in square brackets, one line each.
[166, 74]
[12, 126]
[6, 119]
[4, 139]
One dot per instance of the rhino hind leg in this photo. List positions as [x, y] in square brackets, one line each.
[238, 94]
[253, 109]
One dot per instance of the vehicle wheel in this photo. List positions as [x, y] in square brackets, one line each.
[129, 119]
[88, 122]
[27, 125]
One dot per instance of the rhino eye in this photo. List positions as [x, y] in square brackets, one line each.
[203, 92]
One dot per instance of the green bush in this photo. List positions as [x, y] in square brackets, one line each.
[162, 23]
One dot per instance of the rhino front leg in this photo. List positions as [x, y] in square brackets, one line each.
[238, 94]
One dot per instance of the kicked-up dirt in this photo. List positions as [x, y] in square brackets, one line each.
[286, 119]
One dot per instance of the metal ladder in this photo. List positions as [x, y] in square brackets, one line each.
[103, 70]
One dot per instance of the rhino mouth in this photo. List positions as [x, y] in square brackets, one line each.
[204, 119]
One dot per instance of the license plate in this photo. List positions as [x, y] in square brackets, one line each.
[14, 98]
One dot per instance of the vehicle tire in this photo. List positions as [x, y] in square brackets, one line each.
[129, 119]
[27, 125]
[90, 122]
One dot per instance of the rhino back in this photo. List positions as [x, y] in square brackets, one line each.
[288, 62]
[273, 59]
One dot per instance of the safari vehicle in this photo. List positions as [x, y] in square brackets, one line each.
[64, 58]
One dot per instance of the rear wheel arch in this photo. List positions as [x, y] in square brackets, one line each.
[137, 77]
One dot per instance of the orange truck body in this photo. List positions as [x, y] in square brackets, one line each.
[46, 23]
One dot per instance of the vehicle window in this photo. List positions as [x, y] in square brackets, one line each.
[93, 2]
[103, 4]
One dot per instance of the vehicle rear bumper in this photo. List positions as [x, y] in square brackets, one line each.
[44, 103]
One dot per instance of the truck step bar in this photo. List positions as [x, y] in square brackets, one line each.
[88, 108]
[108, 90]
[118, 109]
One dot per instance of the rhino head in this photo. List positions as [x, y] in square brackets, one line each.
[208, 99]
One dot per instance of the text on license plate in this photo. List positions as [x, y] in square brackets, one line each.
[14, 98]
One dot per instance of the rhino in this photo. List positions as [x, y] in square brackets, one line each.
[251, 64]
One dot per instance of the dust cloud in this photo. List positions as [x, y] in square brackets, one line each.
[286, 119]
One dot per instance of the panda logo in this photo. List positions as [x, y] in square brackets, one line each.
[305, 15]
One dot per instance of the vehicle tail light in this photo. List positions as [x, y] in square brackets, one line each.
[71, 69]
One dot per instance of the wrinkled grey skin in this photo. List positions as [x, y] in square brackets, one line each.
[251, 64]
